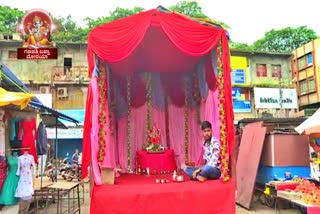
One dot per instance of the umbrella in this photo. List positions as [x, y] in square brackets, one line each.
[16, 98]
[310, 126]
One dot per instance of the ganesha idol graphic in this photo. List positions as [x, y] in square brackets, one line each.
[36, 28]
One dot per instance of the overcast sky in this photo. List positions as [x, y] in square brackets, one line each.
[248, 19]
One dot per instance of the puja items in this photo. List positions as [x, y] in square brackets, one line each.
[180, 178]
[162, 181]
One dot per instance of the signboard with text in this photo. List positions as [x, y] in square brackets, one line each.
[275, 98]
[238, 76]
[36, 28]
[239, 66]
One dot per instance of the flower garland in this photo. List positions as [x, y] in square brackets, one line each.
[149, 106]
[196, 94]
[102, 88]
[186, 121]
[222, 117]
[111, 102]
[129, 124]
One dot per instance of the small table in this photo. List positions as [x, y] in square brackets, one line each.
[157, 162]
[63, 188]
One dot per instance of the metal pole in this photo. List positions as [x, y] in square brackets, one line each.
[56, 151]
[41, 170]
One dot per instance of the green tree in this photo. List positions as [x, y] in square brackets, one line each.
[194, 10]
[284, 40]
[66, 30]
[240, 46]
[9, 18]
[118, 13]
[189, 8]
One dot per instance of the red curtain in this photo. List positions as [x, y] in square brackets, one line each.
[156, 42]
[115, 41]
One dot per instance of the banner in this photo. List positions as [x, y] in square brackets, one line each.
[36, 28]
[270, 98]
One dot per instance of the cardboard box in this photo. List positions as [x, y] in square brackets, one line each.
[107, 175]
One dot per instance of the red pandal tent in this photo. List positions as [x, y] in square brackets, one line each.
[156, 68]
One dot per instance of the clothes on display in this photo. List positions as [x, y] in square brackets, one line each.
[14, 128]
[29, 131]
[2, 133]
[7, 195]
[25, 188]
[3, 171]
[42, 139]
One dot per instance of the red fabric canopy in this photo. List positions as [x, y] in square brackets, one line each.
[152, 41]
[160, 42]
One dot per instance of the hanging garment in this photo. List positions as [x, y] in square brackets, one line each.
[25, 184]
[14, 127]
[42, 139]
[3, 171]
[10, 185]
[2, 133]
[28, 128]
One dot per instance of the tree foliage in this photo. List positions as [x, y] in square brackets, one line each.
[9, 18]
[194, 10]
[284, 40]
[240, 46]
[189, 8]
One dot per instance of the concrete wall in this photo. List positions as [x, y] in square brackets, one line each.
[269, 60]
[40, 70]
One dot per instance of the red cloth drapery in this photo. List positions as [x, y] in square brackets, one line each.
[123, 41]
[157, 42]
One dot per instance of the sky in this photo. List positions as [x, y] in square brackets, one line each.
[248, 19]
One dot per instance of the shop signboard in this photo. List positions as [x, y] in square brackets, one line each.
[239, 65]
[240, 103]
[275, 98]
[241, 106]
[70, 133]
[238, 76]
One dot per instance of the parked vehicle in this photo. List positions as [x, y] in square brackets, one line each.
[74, 172]
[64, 166]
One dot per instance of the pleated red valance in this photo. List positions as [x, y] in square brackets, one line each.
[139, 42]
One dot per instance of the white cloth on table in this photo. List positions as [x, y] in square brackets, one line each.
[25, 186]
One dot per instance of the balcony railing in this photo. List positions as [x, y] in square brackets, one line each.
[70, 74]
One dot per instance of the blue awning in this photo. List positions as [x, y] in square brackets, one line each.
[77, 114]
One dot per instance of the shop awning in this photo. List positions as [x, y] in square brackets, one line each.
[15, 98]
[77, 114]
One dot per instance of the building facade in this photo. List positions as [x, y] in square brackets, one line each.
[63, 82]
[262, 85]
[305, 65]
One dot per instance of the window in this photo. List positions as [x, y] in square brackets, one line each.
[311, 85]
[12, 54]
[261, 70]
[303, 87]
[305, 61]
[301, 63]
[276, 70]
[67, 63]
[309, 59]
